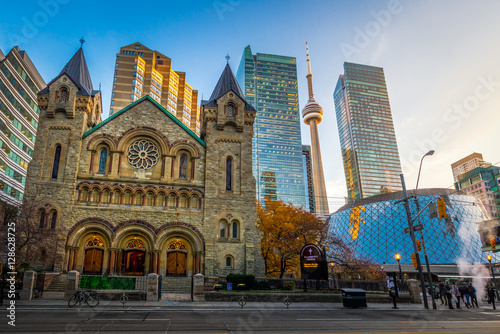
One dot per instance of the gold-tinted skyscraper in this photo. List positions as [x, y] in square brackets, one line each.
[313, 115]
[141, 71]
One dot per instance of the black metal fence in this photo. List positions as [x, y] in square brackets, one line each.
[280, 285]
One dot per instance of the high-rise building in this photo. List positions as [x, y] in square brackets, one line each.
[313, 115]
[308, 177]
[141, 71]
[270, 85]
[19, 84]
[481, 181]
[464, 165]
[366, 130]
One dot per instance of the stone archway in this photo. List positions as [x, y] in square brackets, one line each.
[180, 251]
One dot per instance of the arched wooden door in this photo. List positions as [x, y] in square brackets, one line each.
[93, 261]
[134, 264]
[176, 263]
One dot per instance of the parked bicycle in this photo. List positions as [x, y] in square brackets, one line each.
[88, 297]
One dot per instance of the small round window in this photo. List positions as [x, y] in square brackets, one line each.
[143, 154]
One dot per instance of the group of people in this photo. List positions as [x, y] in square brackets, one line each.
[452, 293]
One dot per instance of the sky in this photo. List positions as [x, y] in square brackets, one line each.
[441, 60]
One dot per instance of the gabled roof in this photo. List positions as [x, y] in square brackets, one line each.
[227, 82]
[150, 99]
[76, 69]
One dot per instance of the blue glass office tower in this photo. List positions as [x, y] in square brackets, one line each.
[366, 130]
[270, 85]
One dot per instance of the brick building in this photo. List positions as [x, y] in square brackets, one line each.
[140, 192]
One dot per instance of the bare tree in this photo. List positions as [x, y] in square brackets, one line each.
[35, 236]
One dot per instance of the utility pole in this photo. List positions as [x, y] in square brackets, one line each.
[412, 234]
[429, 274]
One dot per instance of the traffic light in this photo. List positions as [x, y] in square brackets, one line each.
[493, 242]
[419, 245]
[414, 260]
[441, 208]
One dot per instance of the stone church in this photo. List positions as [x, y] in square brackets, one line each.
[139, 192]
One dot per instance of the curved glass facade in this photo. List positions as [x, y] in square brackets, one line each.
[374, 227]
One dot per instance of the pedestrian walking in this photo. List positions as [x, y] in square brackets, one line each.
[442, 293]
[449, 293]
[490, 292]
[472, 293]
[456, 295]
[464, 291]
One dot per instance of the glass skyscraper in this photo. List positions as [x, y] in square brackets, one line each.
[19, 84]
[366, 130]
[270, 85]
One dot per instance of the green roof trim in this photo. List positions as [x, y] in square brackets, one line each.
[150, 99]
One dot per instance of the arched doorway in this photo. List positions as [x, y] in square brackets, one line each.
[94, 256]
[177, 259]
[134, 258]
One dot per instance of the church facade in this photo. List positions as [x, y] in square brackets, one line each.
[139, 192]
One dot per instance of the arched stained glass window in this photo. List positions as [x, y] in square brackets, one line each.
[222, 229]
[63, 95]
[229, 174]
[183, 167]
[54, 220]
[57, 158]
[230, 110]
[102, 161]
[42, 218]
[229, 262]
[235, 230]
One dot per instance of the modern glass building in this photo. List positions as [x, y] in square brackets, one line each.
[270, 85]
[308, 178]
[19, 84]
[366, 130]
[374, 228]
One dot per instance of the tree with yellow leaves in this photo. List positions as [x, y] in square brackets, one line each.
[284, 230]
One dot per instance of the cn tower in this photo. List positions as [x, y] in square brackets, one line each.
[312, 115]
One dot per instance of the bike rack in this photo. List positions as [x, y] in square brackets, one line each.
[123, 299]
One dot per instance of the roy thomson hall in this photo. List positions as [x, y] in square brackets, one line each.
[139, 192]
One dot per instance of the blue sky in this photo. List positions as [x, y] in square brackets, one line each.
[441, 59]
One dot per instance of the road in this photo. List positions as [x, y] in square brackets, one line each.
[261, 319]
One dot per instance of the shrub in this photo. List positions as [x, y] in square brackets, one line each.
[289, 285]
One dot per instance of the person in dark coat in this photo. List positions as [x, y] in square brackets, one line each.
[464, 291]
[490, 292]
[442, 293]
[448, 289]
[456, 294]
[472, 293]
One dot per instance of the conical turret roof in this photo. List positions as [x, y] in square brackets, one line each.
[77, 70]
[227, 82]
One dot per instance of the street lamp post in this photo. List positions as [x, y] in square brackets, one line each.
[429, 274]
[398, 258]
[488, 257]
[412, 235]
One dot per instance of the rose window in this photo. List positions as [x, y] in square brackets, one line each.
[143, 154]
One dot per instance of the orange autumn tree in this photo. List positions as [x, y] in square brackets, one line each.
[284, 230]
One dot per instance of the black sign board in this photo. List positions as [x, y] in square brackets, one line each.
[313, 263]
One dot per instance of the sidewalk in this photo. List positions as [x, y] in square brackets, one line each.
[222, 306]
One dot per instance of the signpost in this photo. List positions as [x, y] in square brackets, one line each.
[313, 264]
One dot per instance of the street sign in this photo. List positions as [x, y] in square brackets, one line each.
[419, 227]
